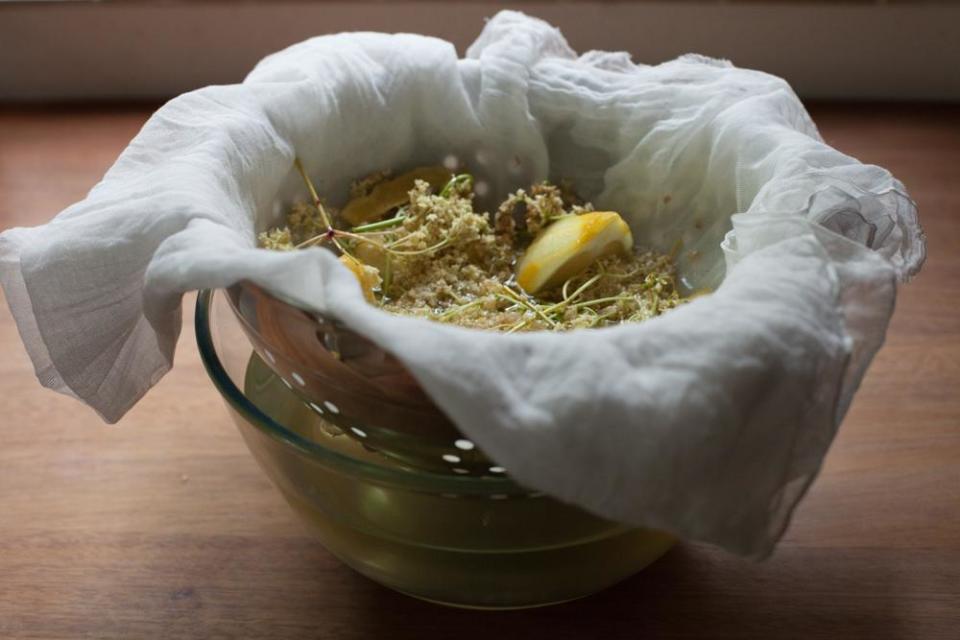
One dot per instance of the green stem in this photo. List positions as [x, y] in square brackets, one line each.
[454, 181]
[319, 205]
[459, 309]
[418, 252]
[590, 303]
[311, 241]
[622, 276]
[359, 238]
[518, 326]
[401, 240]
[567, 300]
[376, 226]
[515, 298]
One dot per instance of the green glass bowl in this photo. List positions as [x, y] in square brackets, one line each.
[468, 541]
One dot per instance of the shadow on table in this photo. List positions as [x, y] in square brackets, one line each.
[692, 592]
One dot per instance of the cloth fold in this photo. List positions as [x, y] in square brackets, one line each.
[709, 422]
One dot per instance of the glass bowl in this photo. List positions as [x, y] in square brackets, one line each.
[477, 541]
[361, 387]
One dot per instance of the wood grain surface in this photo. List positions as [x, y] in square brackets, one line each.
[163, 527]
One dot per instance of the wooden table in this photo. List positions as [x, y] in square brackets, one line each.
[163, 526]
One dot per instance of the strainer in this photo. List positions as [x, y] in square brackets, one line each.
[355, 385]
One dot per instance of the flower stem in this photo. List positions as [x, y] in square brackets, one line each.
[590, 303]
[532, 307]
[330, 233]
[382, 224]
[452, 184]
[452, 311]
[417, 252]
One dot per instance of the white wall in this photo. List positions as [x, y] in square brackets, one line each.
[80, 50]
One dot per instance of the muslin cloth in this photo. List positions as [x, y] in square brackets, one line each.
[709, 421]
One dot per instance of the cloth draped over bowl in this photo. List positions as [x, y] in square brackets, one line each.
[709, 422]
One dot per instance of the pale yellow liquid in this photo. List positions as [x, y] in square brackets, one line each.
[490, 551]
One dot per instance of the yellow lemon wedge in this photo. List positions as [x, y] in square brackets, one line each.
[390, 194]
[570, 245]
[367, 276]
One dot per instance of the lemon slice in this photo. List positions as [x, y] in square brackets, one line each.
[367, 276]
[570, 245]
[390, 194]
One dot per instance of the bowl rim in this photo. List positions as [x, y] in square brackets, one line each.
[238, 401]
